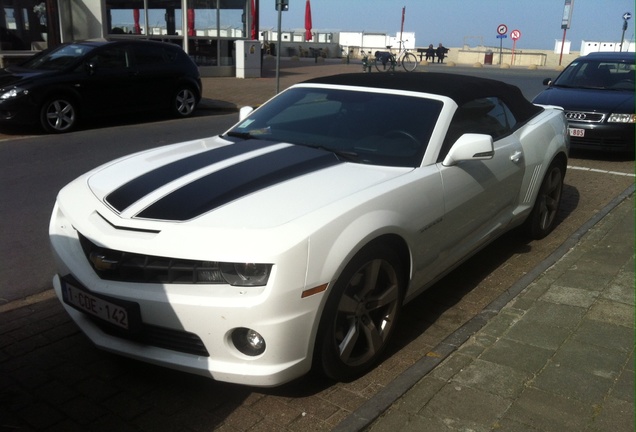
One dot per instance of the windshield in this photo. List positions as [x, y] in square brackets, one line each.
[359, 126]
[598, 74]
[57, 59]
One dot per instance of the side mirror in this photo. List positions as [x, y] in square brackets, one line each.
[470, 147]
[244, 112]
[547, 81]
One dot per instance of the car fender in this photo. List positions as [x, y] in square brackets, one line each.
[348, 240]
[544, 140]
[47, 92]
[190, 83]
[354, 236]
[386, 216]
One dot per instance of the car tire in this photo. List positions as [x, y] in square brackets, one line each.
[543, 217]
[58, 115]
[184, 102]
[361, 313]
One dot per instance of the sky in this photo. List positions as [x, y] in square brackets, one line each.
[456, 23]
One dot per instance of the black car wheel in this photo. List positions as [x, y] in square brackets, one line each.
[543, 217]
[58, 115]
[184, 102]
[361, 313]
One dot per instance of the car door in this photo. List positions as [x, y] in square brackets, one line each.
[480, 195]
[109, 86]
[156, 76]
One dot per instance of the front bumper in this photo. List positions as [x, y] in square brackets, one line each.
[21, 110]
[224, 363]
[199, 316]
[614, 137]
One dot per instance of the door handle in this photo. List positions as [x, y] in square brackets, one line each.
[516, 156]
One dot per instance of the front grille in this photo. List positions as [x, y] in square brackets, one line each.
[130, 267]
[585, 117]
[160, 337]
[600, 141]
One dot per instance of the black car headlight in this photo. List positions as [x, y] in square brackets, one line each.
[13, 93]
[622, 118]
[131, 267]
[245, 274]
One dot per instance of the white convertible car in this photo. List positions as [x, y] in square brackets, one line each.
[294, 239]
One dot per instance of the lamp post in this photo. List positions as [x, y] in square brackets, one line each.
[281, 5]
[565, 23]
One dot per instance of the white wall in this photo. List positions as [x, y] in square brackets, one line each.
[351, 39]
[589, 47]
[407, 37]
[82, 20]
[566, 46]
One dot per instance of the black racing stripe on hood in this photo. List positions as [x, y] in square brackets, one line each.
[231, 183]
[141, 186]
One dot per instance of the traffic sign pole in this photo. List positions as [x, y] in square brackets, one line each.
[626, 16]
[502, 29]
[514, 35]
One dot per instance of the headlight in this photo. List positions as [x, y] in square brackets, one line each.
[116, 265]
[12, 93]
[245, 274]
[622, 118]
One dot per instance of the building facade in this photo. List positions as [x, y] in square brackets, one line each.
[206, 29]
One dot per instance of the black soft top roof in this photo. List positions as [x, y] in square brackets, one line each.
[460, 88]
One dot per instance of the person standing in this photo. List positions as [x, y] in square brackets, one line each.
[441, 53]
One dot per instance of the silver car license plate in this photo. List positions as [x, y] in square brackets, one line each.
[91, 304]
[576, 132]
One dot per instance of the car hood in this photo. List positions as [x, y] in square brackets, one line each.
[13, 75]
[587, 99]
[213, 182]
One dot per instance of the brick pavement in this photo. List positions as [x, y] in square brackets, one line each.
[558, 357]
[232, 93]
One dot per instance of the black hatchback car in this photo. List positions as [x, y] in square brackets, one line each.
[58, 87]
[597, 93]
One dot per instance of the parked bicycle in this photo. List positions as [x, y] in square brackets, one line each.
[386, 61]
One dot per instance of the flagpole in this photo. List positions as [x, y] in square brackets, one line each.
[402, 27]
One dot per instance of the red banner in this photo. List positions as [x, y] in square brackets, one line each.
[191, 31]
[253, 34]
[308, 35]
[136, 19]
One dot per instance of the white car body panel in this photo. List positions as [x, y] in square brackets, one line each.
[308, 227]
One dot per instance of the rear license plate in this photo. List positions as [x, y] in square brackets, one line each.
[575, 132]
[119, 315]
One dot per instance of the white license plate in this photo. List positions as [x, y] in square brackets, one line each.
[576, 132]
[86, 302]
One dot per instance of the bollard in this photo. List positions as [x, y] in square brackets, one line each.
[366, 65]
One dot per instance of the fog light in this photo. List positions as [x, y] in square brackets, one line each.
[248, 341]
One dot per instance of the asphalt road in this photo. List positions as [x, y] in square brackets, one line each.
[33, 168]
[73, 386]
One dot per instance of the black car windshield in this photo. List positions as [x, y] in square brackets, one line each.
[59, 58]
[598, 74]
[359, 126]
